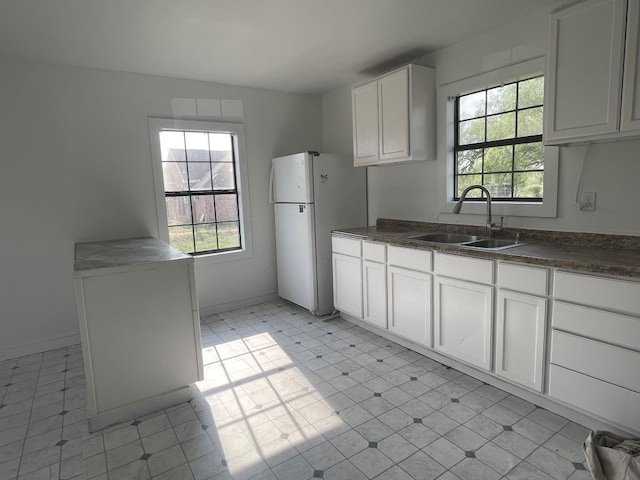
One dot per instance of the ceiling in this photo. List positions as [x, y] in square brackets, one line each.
[304, 46]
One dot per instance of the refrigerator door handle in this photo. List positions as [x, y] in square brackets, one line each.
[271, 200]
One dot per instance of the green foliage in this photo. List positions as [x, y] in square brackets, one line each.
[514, 170]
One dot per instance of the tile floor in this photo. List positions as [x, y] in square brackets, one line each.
[287, 396]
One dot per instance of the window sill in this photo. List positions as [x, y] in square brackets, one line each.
[214, 258]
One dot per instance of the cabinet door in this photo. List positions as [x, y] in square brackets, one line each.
[347, 284]
[393, 95]
[631, 79]
[584, 71]
[374, 294]
[410, 304]
[462, 321]
[520, 334]
[365, 123]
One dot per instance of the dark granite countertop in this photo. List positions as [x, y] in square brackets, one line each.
[617, 255]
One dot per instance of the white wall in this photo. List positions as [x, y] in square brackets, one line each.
[412, 191]
[76, 166]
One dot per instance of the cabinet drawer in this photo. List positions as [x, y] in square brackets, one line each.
[346, 246]
[521, 278]
[598, 324]
[411, 258]
[465, 268]
[600, 398]
[599, 360]
[598, 291]
[376, 252]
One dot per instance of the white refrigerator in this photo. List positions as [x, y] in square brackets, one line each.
[313, 194]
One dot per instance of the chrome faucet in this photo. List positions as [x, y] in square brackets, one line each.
[492, 228]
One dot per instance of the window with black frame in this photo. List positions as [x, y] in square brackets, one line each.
[498, 141]
[201, 190]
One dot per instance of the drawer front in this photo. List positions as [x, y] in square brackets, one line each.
[602, 292]
[525, 279]
[599, 360]
[608, 327]
[411, 258]
[346, 246]
[376, 252]
[465, 268]
[607, 401]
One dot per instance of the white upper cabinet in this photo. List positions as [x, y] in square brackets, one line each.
[631, 79]
[394, 117]
[584, 86]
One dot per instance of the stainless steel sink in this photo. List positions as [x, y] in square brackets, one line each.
[493, 244]
[446, 238]
[471, 241]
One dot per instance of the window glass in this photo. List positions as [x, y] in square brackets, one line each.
[499, 141]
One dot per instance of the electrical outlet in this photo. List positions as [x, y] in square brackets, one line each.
[588, 201]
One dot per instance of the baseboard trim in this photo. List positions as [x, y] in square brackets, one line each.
[225, 307]
[39, 347]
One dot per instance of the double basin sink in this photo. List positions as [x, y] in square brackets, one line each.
[471, 241]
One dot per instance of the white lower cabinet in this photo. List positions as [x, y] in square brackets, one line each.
[462, 320]
[520, 334]
[347, 284]
[410, 304]
[374, 293]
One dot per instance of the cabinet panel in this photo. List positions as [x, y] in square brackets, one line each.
[457, 266]
[411, 258]
[602, 292]
[522, 278]
[374, 251]
[584, 70]
[346, 246]
[595, 396]
[462, 321]
[410, 304]
[608, 363]
[631, 78]
[347, 284]
[374, 299]
[393, 94]
[365, 123]
[613, 328]
[520, 334]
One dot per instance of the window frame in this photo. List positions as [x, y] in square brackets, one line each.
[156, 126]
[447, 95]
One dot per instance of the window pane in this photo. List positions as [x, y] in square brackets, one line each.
[530, 122]
[498, 159]
[229, 235]
[181, 238]
[528, 184]
[197, 144]
[199, 176]
[501, 126]
[178, 210]
[220, 147]
[529, 156]
[203, 210]
[469, 161]
[464, 181]
[172, 146]
[206, 237]
[499, 184]
[175, 176]
[501, 99]
[223, 178]
[471, 131]
[472, 105]
[226, 208]
[531, 92]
